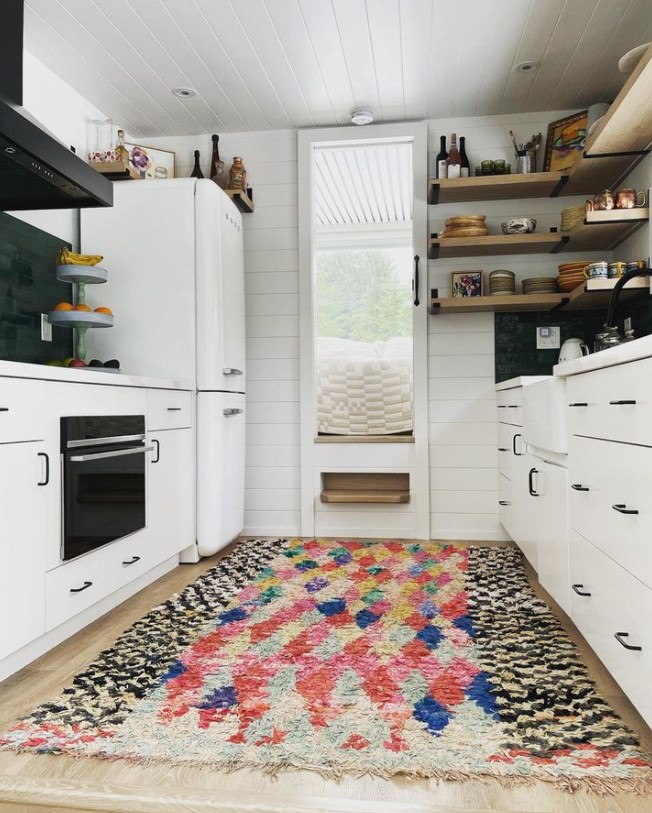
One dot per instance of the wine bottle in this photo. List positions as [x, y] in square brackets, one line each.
[440, 160]
[453, 162]
[217, 166]
[196, 170]
[466, 169]
[121, 152]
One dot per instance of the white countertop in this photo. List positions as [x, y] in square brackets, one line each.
[521, 381]
[621, 354]
[85, 375]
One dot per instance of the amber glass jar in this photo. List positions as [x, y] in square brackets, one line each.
[237, 174]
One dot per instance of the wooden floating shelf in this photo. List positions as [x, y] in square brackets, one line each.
[241, 200]
[496, 187]
[344, 496]
[494, 244]
[604, 230]
[590, 295]
[365, 487]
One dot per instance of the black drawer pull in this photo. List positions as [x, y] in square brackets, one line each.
[47, 468]
[579, 487]
[576, 588]
[174, 409]
[132, 561]
[503, 502]
[621, 403]
[512, 406]
[80, 589]
[502, 406]
[623, 509]
[158, 450]
[502, 449]
[579, 404]
[619, 637]
[530, 482]
[518, 454]
[4, 409]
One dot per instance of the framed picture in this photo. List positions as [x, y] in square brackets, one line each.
[466, 283]
[565, 142]
[149, 163]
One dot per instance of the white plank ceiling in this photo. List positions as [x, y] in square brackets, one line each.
[269, 64]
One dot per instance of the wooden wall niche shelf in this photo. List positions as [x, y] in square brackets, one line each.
[494, 244]
[496, 187]
[369, 487]
[241, 200]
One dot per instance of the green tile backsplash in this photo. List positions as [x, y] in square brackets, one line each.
[28, 288]
[515, 335]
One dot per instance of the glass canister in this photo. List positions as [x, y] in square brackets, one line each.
[99, 139]
[237, 174]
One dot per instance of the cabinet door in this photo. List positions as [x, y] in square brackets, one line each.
[29, 523]
[526, 505]
[171, 492]
[552, 532]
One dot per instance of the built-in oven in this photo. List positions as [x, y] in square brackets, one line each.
[103, 475]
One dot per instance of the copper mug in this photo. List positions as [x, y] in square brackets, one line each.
[602, 201]
[630, 198]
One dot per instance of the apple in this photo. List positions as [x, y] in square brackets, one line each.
[66, 362]
[55, 363]
[77, 363]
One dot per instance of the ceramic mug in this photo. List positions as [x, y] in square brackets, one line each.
[597, 270]
[630, 198]
[616, 269]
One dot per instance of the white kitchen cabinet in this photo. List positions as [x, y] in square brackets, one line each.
[550, 526]
[22, 410]
[171, 491]
[26, 502]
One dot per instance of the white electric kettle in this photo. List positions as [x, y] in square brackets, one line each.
[573, 349]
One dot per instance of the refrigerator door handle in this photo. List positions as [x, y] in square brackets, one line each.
[229, 413]
[231, 371]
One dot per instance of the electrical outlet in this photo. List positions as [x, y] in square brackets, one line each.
[46, 328]
[627, 324]
[548, 338]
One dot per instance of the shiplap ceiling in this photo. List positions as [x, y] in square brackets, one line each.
[371, 184]
[268, 64]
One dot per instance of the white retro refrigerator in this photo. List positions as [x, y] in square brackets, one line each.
[173, 250]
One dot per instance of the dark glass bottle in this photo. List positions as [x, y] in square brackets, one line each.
[454, 162]
[466, 169]
[440, 160]
[217, 165]
[196, 170]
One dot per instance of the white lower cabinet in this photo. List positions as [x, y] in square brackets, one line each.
[612, 609]
[25, 499]
[550, 526]
[171, 491]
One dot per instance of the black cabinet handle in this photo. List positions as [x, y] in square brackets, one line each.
[579, 404]
[502, 449]
[530, 482]
[623, 509]
[415, 281]
[47, 468]
[174, 409]
[619, 637]
[579, 487]
[512, 406]
[576, 588]
[132, 561]
[158, 450]
[621, 403]
[503, 502]
[81, 589]
[502, 406]
[4, 409]
[518, 454]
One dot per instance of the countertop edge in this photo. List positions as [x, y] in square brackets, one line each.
[65, 375]
[520, 381]
[621, 354]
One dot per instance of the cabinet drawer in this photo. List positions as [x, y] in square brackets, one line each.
[510, 398]
[615, 474]
[510, 447]
[505, 509]
[169, 409]
[614, 403]
[21, 415]
[606, 600]
[511, 414]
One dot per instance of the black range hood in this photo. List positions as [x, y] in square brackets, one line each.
[36, 170]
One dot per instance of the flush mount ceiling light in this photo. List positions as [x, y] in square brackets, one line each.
[184, 93]
[362, 115]
[527, 67]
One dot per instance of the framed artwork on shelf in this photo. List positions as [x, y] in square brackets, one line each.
[466, 283]
[150, 163]
[565, 142]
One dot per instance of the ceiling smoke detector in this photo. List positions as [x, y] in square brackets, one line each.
[362, 115]
[527, 67]
[184, 93]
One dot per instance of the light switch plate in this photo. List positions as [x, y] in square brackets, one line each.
[548, 338]
[46, 328]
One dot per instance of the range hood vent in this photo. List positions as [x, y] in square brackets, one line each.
[36, 170]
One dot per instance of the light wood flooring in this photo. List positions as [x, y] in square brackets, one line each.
[47, 783]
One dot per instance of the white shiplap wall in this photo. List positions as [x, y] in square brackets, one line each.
[462, 415]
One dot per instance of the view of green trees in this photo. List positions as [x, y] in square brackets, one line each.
[360, 295]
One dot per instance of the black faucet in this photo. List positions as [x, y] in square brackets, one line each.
[613, 303]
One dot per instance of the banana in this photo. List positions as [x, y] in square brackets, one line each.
[67, 257]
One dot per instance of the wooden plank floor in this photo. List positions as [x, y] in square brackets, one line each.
[47, 783]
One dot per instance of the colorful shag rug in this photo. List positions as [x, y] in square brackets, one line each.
[350, 657]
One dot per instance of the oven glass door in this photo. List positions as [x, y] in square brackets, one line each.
[104, 496]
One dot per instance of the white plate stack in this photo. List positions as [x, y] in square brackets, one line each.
[540, 285]
[502, 283]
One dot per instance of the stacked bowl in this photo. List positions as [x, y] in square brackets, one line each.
[540, 285]
[571, 275]
[501, 283]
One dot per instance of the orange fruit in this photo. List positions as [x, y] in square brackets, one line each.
[82, 307]
[63, 306]
[104, 309]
